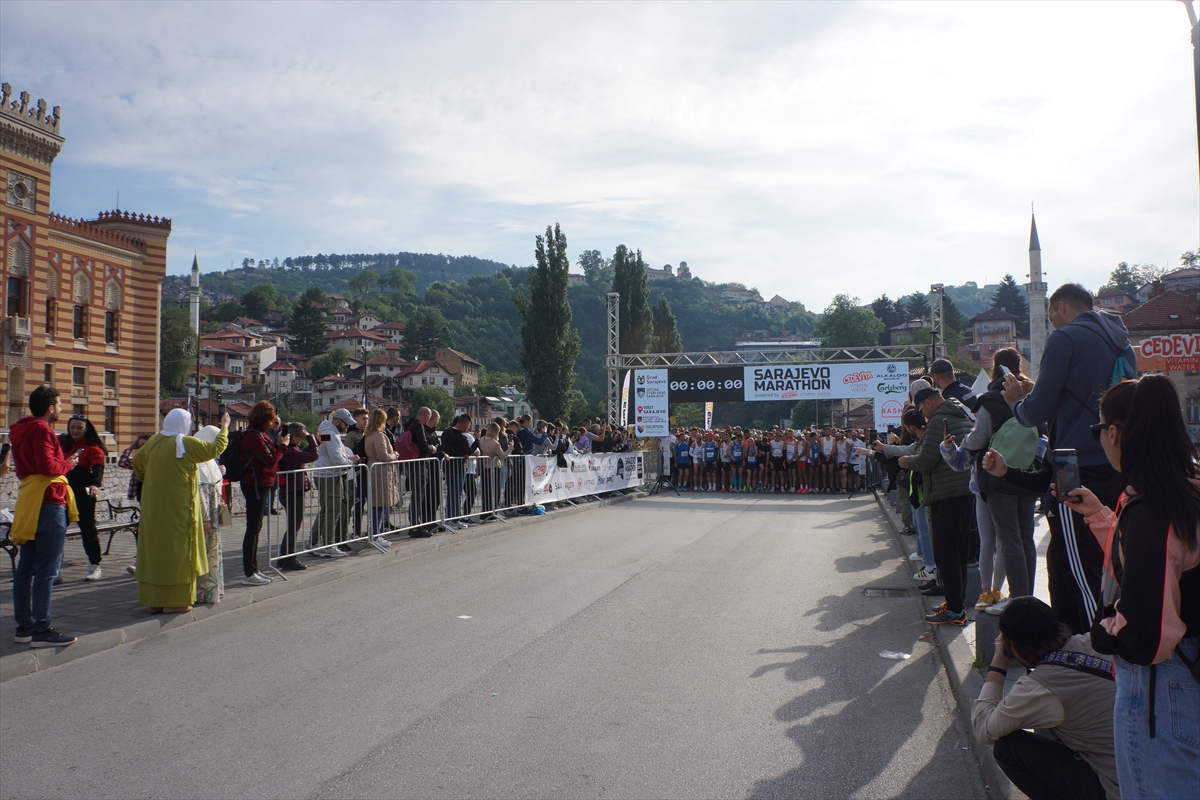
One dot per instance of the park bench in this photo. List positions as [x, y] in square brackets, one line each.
[120, 518]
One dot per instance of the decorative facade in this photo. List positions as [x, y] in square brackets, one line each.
[81, 297]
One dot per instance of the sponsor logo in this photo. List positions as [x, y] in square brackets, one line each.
[858, 377]
[539, 470]
[569, 485]
[641, 379]
[891, 368]
[892, 408]
[641, 429]
[891, 388]
[788, 395]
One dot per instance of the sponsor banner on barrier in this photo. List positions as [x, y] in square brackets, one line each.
[1177, 352]
[652, 415]
[547, 482]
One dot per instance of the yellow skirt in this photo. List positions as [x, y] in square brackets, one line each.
[173, 596]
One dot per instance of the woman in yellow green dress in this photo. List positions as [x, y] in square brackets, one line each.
[171, 550]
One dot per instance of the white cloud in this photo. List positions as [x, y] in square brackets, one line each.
[808, 148]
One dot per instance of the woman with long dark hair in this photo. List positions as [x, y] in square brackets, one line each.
[86, 479]
[1151, 587]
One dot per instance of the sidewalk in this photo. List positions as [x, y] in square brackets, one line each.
[966, 666]
[105, 613]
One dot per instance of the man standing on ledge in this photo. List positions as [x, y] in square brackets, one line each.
[44, 507]
[1084, 353]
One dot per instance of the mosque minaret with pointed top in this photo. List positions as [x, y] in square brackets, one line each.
[1035, 291]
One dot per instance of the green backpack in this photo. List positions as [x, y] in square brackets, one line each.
[1016, 443]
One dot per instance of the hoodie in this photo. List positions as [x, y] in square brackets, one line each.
[331, 453]
[36, 451]
[1075, 371]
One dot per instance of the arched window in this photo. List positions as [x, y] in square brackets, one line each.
[51, 282]
[19, 257]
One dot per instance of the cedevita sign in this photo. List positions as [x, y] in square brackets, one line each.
[1178, 352]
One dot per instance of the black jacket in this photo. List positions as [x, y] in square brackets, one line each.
[455, 444]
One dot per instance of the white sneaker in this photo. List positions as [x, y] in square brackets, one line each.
[997, 608]
[94, 573]
[256, 580]
[914, 557]
[500, 516]
[332, 552]
[131, 569]
[382, 542]
[926, 575]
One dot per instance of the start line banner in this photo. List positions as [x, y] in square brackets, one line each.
[547, 482]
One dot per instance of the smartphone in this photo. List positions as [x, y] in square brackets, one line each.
[4, 448]
[1066, 472]
[1005, 370]
[325, 437]
[873, 436]
[220, 409]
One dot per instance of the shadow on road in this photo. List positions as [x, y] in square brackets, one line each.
[858, 713]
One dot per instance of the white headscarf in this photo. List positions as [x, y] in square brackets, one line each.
[178, 424]
[210, 471]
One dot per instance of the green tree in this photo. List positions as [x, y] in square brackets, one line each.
[438, 399]
[629, 279]
[492, 382]
[363, 281]
[314, 295]
[1008, 296]
[259, 299]
[549, 345]
[689, 415]
[425, 335]
[596, 267]
[956, 321]
[916, 306]
[846, 323]
[890, 312]
[306, 328]
[177, 349]
[226, 312]
[401, 281]
[327, 364]
[666, 333]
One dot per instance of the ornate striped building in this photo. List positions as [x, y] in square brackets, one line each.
[81, 297]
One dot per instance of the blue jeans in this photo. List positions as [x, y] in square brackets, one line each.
[1167, 766]
[39, 563]
[920, 518]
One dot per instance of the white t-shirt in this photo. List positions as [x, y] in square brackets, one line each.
[776, 448]
[827, 445]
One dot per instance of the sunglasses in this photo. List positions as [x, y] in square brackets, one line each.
[1100, 427]
[80, 417]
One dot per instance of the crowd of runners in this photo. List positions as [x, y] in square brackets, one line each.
[806, 461]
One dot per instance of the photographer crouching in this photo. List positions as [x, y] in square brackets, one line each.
[1068, 694]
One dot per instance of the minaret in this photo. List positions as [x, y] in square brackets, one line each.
[1035, 290]
[194, 295]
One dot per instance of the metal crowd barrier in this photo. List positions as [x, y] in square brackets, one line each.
[330, 511]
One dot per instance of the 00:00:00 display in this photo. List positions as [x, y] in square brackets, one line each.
[683, 386]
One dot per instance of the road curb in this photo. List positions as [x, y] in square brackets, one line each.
[958, 653]
[26, 663]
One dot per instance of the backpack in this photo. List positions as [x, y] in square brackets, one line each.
[1018, 444]
[1121, 371]
[405, 448]
[232, 459]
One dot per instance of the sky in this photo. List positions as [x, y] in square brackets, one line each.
[807, 149]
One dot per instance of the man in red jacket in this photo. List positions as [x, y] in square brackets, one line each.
[38, 456]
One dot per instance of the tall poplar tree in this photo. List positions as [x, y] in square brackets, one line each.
[666, 333]
[629, 280]
[549, 345]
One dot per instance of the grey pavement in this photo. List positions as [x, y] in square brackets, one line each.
[719, 646]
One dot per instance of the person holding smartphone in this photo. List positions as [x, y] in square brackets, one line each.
[82, 441]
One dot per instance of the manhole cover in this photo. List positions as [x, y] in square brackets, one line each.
[877, 592]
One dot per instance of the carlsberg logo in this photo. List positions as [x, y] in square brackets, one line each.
[891, 388]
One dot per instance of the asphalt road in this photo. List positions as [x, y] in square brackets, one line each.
[699, 647]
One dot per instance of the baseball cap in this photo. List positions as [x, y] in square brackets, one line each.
[296, 430]
[1028, 620]
[344, 416]
[924, 394]
[941, 367]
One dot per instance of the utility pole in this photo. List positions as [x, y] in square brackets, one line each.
[612, 359]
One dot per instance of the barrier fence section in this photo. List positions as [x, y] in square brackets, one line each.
[323, 511]
[329, 511]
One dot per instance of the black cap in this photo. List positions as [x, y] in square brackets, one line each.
[1028, 620]
[924, 394]
[941, 367]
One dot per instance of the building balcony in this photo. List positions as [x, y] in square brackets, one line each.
[19, 327]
